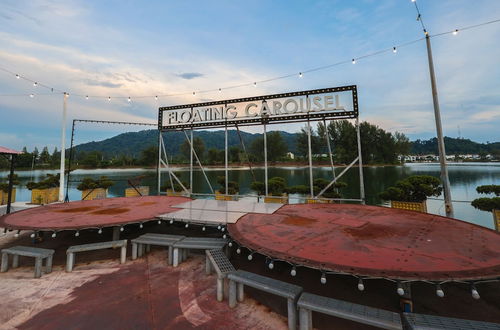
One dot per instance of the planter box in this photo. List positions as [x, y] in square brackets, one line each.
[412, 206]
[98, 193]
[131, 192]
[170, 192]
[44, 196]
[496, 219]
[318, 201]
[276, 199]
[222, 197]
[4, 196]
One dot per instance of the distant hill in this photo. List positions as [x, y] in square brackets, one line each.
[132, 143]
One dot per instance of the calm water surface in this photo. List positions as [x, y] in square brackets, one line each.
[463, 178]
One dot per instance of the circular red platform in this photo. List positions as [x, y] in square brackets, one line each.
[373, 241]
[91, 214]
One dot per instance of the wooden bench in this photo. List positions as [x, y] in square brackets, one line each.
[358, 313]
[291, 292]
[143, 243]
[414, 321]
[217, 260]
[26, 251]
[70, 252]
[182, 247]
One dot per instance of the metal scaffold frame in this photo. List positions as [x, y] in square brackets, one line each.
[264, 121]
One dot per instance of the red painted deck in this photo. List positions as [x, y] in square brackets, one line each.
[91, 214]
[373, 241]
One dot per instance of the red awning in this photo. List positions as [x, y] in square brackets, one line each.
[4, 150]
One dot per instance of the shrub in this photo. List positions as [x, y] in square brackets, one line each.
[89, 183]
[4, 186]
[50, 181]
[177, 186]
[487, 204]
[318, 185]
[415, 188]
[489, 189]
[276, 186]
[232, 186]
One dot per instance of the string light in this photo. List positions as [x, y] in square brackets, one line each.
[300, 74]
[121, 228]
[187, 225]
[141, 226]
[220, 90]
[17, 76]
[32, 235]
[54, 235]
[361, 285]
[17, 234]
[271, 264]
[439, 291]
[293, 272]
[230, 244]
[32, 95]
[156, 98]
[86, 97]
[255, 84]
[238, 250]
[109, 98]
[475, 293]
[194, 93]
[129, 99]
[35, 84]
[455, 32]
[171, 221]
[400, 289]
[203, 228]
[353, 61]
[159, 222]
[250, 257]
[100, 231]
[323, 278]
[394, 50]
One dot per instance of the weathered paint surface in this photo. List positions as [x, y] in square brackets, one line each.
[95, 213]
[373, 241]
[144, 294]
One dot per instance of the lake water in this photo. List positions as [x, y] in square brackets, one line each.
[464, 178]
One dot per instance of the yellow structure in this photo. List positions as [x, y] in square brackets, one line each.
[222, 197]
[4, 196]
[132, 192]
[44, 196]
[412, 206]
[276, 199]
[170, 192]
[496, 219]
[98, 193]
[318, 201]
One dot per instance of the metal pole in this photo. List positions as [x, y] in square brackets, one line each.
[63, 148]
[199, 164]
[439, 129]
[309, 147]
[158, 171]
[162, 143]
[226, 162]
[66, 199]
[11, 182]
[265, 160]
[327, 137]
[191, 162]
[360, 163]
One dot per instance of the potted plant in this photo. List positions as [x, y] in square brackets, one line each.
[232, 189]
[94, 188]
[177, 191]
[489, 204]
[412, 192]
[4, 190]
[45, 191]
[276, 189]
[318, 185]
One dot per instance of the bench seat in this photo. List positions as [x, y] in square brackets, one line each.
[283, 289]
[217, 260]
[70, 252]
[27, 251]
[415, 321]
[358, 313]
[143, 242]
[197, 243]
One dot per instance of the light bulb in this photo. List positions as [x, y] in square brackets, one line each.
[141, 226]
[361, 285]
[109, 98]
[194, 93]
[32, 235]
[323, 278]
[455, 32]
[219, 227]
[17, 76]
[86, 97]
[474, 292]
[230, 244]
[35, 84]
[439, 291]
[129, 99]
[254, 84]
[271, 265]
[100, 231]
[250, 257]
[238, 250]
[203, 228]
[353, 61]
[159, 222]
[400, 289]
[394, 50]
[222, 229]
[171, 221]
[121, 228]
[224, 236]
[187, 225]
[32, 95]
[17, 234]
[156, 98]
[220, 90]
[54, 235]
[293, 272]
[300, 74]
[77, 233]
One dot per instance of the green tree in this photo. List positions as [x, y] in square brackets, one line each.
[45, 156]
[276, 147]
[212, 156]
[303, 143]
[234, 154]
[149, 156]
[415, 188]
[403, 144]
[198, 146]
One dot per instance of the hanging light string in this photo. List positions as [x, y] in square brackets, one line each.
[300, 74]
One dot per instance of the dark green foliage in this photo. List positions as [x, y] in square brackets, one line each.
[177, 186]
[303, 143]
[149, 156]
[90, 183]
[489, 189]
[275, 185]
[50, 181]
[487, 204]
[232, 186]
[276, 147]
[4, 186]
[198, 146]
[454, 146]
[299, 189]
[318, 185]
[415, 188]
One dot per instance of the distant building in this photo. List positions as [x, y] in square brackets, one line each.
[290, 155]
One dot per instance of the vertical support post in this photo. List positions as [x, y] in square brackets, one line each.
[309, 153]
[158, 166]
[226, 162]
[38, 267]
[162, 143]
[327, 137]
[123, 254]
[11, 182]
[116, 233]
[63, 148]
[265, 160]
[191, 163]
[232, 294]
[292, 314]
[360, 163]
[220, 289]
[439, 130]
[66, 199]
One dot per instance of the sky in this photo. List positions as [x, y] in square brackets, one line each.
[147, 48]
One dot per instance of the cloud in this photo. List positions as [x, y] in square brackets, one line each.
[190, 75]
[103, 83]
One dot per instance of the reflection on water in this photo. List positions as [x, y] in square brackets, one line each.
[463, 178]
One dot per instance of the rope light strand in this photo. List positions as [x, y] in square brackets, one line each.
[394, 49]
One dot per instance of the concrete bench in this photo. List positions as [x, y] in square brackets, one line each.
[26, 251]
[414, 321]
[182, 247]
[143, 243]
[70, 252]
[358, 313]
[217, 260]
[240, 278]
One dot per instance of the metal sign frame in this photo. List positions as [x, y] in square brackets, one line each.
[263, 120]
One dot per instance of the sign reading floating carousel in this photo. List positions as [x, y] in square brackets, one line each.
[318, 104]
